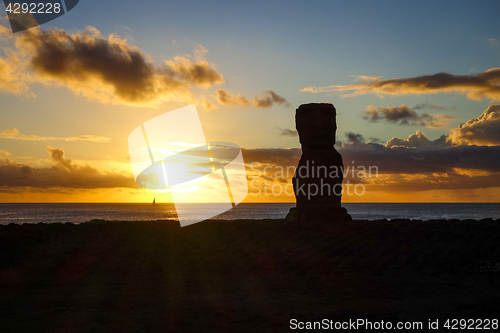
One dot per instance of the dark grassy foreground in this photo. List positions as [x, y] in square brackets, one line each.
[241, 275]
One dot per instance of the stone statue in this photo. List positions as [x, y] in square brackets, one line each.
[317, 182]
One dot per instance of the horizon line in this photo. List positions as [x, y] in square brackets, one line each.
[263, 202]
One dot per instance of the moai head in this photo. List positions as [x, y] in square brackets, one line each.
[316, 124]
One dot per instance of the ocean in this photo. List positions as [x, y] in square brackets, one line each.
[83, 212]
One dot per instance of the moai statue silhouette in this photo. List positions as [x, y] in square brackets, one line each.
[317, 182]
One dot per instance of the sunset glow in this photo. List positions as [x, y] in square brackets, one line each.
[412, 100]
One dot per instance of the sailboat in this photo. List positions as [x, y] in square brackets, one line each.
[154, 202]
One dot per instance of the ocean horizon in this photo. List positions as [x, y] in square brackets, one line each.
[21, 213]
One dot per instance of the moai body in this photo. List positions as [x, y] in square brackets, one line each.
[317, 182]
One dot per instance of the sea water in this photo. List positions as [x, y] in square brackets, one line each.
[83, 212]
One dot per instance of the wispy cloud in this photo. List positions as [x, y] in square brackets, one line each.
[476, 87]
[207, 105]
[268, 99]
[15, 135]
[493, 42]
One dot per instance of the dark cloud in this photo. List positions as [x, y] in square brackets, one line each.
[476, 87]
[403, 115]
[355, 139]
[277, 98]
[483, 130]
[268, 99]
[110, 69]
[375, 140]
[426, 182]
[404, 164]
[402, 160]
[64, 174]
[458, 161]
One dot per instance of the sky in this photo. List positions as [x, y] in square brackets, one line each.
[416, 86]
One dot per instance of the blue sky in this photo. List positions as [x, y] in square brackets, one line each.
[288, 45]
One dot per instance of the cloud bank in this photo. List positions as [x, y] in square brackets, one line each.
[467, 159]
[65, 173]
[409, 164]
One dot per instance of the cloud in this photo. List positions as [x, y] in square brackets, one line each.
[111, 70]
[12, 78]
[375, 140]
[354, 139]
[418, 140]
[227, 99]
[483, 130]
[407, 164]
[403, 160]
[64, 174]
[427, 105]
[452, 180]
[365, 77]
[276, 98]
[5, 153]
[106, 69]
[286, 132]
[272, 156]
[207, 105]
[198, 73]
[14, 134]
[476, 87]
[403, 115]
[396, 160]
[57, 156]
[269, 98]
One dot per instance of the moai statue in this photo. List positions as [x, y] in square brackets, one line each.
[317, 182]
